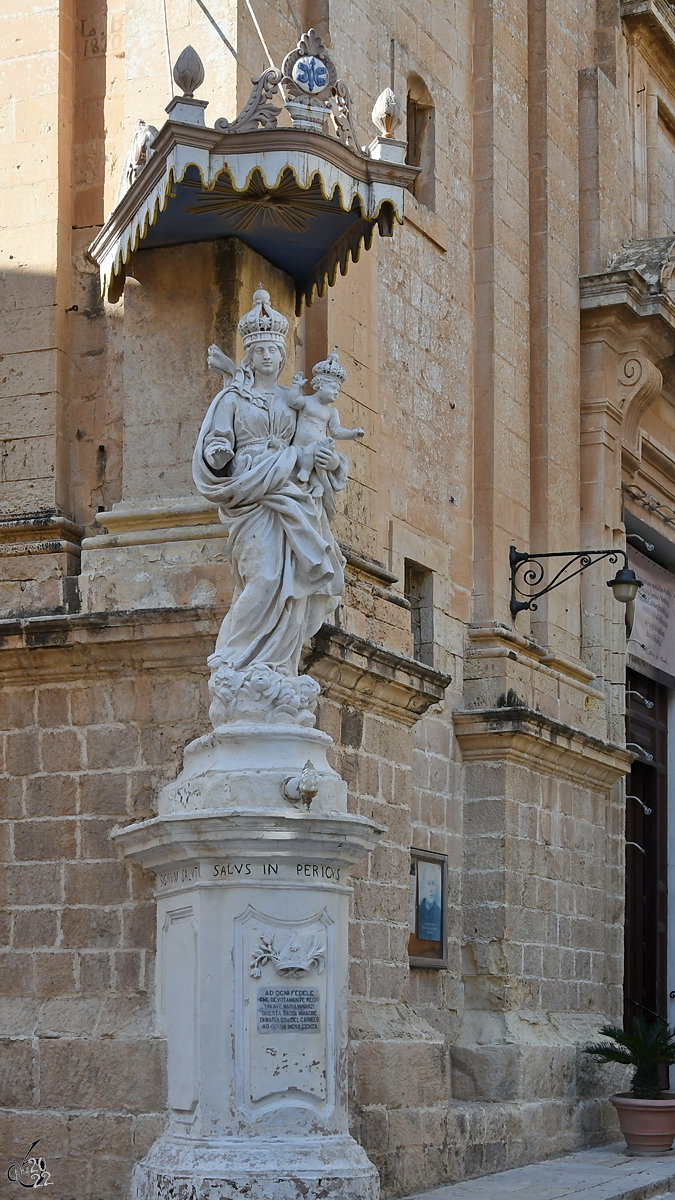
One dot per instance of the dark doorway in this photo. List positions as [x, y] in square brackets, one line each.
[645, 985]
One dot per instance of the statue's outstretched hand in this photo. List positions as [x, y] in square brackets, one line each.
[219, 361]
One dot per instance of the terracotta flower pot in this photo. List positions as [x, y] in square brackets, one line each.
[647, 1125]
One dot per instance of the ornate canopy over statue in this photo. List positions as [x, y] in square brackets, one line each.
[306, 196]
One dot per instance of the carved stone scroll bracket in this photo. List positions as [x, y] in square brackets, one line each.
[342, 118]
[639, 383]
[258, 112]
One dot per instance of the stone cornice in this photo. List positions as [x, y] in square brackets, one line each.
[362, 674]
[143, 516]
[167, 841]
[43, 648]
[492, 639]
[368, 566]
[628, 292]
[659, 457]
[350, 669]
[46, 532]
[524, 737]
[140, 522]
[651, 26]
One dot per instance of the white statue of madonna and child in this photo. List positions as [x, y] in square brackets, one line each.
[266, 456]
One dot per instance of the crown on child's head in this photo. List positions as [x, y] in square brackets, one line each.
[330, 368]
[263, 323]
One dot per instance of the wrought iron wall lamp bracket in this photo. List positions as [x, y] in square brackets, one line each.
[624, 585]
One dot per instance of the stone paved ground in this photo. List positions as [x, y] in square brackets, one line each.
[604, 1173]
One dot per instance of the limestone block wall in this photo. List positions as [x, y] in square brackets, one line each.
[84, 748]
[401, 1018]
[453, 1073]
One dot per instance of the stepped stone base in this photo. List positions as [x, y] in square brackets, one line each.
[310, 1168]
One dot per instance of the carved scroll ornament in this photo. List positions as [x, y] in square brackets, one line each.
[640, 382]
[259, 111]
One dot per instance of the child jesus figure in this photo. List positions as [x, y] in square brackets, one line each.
[318, 418]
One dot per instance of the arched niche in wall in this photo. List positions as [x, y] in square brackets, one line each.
[421, 134]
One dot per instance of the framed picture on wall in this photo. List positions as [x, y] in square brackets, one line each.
[427, 945]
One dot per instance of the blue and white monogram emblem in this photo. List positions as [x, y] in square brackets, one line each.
[310, 74]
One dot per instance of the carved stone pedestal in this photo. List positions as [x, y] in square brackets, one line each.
[252, 915]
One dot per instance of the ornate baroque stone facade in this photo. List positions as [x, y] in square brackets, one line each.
[508, 355]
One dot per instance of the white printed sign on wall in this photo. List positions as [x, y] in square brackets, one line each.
[652, 637]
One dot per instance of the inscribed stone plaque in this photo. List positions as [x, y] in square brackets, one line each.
[288, 1009]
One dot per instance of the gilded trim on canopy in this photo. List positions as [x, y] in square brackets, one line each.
[378, 194]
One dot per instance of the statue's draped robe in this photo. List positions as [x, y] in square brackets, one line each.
[288, 569]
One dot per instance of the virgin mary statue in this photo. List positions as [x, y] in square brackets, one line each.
[288, 569]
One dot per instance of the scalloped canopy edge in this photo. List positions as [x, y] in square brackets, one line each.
[302, 211]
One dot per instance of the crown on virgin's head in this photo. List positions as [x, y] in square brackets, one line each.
[331, 368]
[263, 323]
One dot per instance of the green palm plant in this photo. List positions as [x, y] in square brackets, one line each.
[645, 1048]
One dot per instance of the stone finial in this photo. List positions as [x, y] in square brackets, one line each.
[189, 72]
[386, 113]
[302, 787]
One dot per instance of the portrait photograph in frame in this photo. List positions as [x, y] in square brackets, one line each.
[427, 945]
